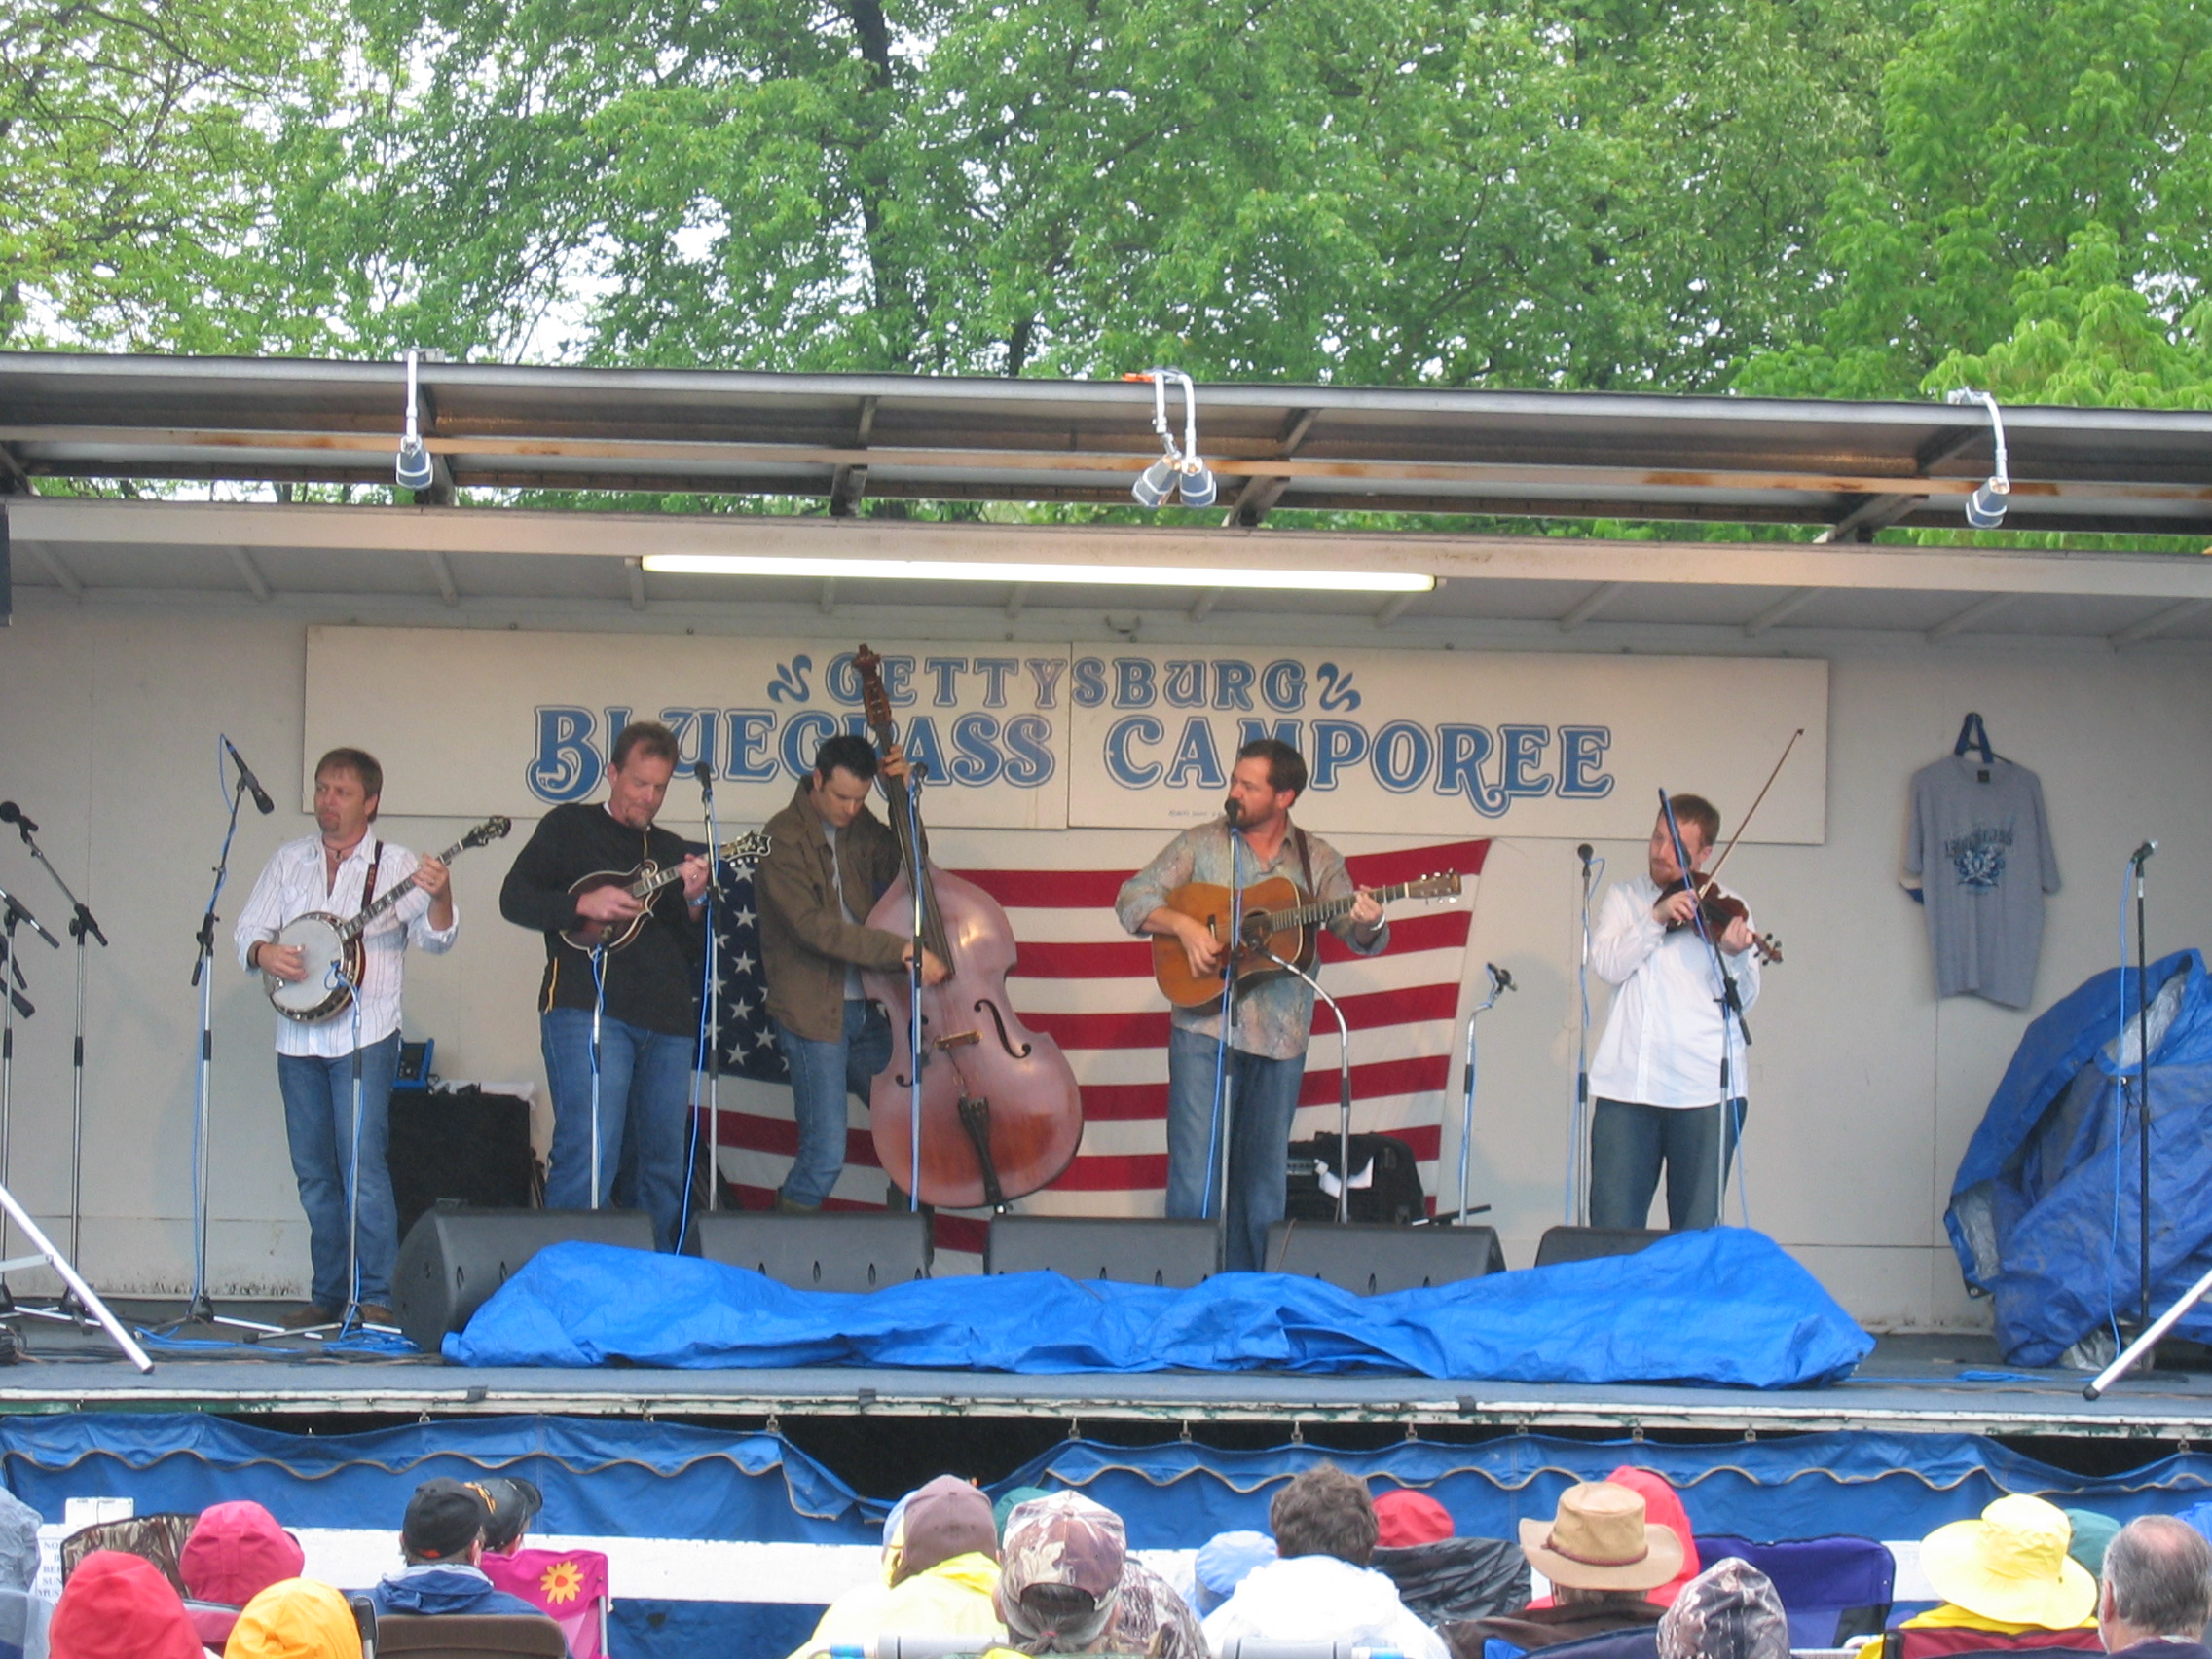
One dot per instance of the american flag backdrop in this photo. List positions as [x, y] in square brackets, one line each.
[1089, 984]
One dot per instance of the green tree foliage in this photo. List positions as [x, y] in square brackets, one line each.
[144, 146]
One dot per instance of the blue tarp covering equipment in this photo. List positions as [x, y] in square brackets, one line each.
[1724, 1306]
[2049, 1181]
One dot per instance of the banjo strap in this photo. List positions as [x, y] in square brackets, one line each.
[369, 887]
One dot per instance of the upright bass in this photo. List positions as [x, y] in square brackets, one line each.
[1000, 1113]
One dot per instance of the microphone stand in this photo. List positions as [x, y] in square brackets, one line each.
[915, 773]
[1217, 1139]
[1343, 1085]
[81, 928]
[1499, 981]
[2140, 857]
[1731, 1008]
[12, 912]
[713, 1008]
[1578, 1126]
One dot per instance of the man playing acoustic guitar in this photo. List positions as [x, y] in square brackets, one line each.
[340, 869]
[1266, 1058]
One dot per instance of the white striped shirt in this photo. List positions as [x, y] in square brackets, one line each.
[292, 885]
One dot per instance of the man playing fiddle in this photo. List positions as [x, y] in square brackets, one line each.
[1656, 1076]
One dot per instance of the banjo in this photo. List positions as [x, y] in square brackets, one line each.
[642, 881]
[331, 950]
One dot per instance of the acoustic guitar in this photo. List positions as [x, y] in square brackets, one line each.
[331, 949]
[642, 881]
[1279, 919]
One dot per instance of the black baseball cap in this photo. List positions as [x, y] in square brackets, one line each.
[514, 1503]
[443, 1518]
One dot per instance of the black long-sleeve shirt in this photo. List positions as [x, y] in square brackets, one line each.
[653, 981]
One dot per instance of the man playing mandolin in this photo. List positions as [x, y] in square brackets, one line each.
[573, 881]
[340, 869]
[1656, 1076]
[830, 860]
[1266, 1058]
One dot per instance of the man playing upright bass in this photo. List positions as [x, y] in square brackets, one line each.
[339, 870]
[1274, 1016]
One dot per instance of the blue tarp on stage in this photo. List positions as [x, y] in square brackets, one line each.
[1724, 1306]
[2045, 1213]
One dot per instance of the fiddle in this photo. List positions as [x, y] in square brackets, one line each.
[1717, 910]
[999, 1114]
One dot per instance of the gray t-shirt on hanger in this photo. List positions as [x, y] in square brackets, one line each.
[1980, 845]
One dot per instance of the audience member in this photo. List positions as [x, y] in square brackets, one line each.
[120, 1607]
[1603, 1556]
[2006, 1573]
[1728, 1611]
[2093, 1534]
[296, 1618]
[1442, 1578]
[1321, 1588]
[24, 1613]
[514, 1504]
[236, 1551]
[1220, 1564]
[941, 1573]
[1068, 1584]
[442, 1537]
[2155, 1592]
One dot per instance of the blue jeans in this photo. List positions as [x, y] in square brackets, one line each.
[643, 1078]
[1263, 1093]
[318, 1123]
[1628, 1142]
[823, 1074]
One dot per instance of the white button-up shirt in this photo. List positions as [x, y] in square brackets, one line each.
[292, 885]
[1662, 1041]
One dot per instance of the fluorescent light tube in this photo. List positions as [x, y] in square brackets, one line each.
[1089, 575]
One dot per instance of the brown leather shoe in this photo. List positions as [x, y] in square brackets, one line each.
[300, 1319]
[377, 1313]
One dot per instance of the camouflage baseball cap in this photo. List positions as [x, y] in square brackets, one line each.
[1730, 1610]
[1063, 1538]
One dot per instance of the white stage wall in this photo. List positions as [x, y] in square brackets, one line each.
[1863, 1087]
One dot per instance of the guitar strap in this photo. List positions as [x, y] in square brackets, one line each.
[1310, 958]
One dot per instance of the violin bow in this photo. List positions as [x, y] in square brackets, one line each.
[1715, 871]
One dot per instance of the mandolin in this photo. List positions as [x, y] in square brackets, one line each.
[331, 950]
[1279, 919]
[642, 881]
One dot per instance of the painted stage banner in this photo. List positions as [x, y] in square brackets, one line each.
[1430, 743]
[1045, 736]
[467, 723]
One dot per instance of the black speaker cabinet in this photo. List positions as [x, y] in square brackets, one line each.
[1374, 1260]
[1178, 1254]
[837, 1250]
[454, 1259]
[1588, 1244]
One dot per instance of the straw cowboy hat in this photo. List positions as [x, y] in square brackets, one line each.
[2011, 1565]
[1601, 1540]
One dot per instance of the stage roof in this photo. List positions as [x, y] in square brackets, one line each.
[848, 437]
[162, 425]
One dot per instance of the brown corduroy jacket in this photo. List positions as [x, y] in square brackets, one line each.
[805, 939]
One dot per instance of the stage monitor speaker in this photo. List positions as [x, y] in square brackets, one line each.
[1378, 1258]
[1588, 1244]
[838, 1250]
[453, 1258]
[1178, 1254]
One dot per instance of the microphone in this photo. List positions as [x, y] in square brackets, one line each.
[704, 771]
[1583, 853]
[1499, 979]
[1232, 811]
[2138, 857]
[262, 803]
[10, 813]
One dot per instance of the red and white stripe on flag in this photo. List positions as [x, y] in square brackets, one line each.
[1084, 981]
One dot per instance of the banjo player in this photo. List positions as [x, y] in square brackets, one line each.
[340, 870]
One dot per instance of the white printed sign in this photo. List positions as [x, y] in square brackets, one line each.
[1045, 736]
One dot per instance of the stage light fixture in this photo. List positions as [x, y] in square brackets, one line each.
[1085, 576]
[415, 470]
[1985, 507]
[1176, 469]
